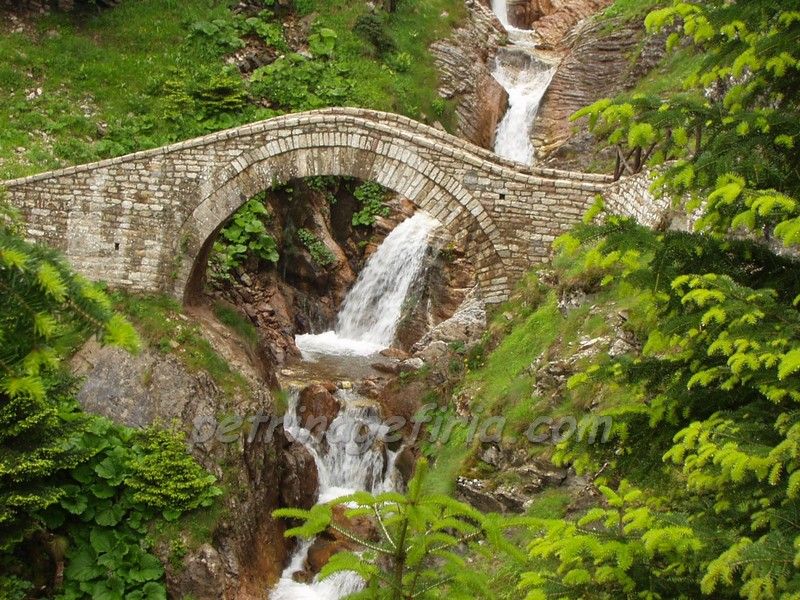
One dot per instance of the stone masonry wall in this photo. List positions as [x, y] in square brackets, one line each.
[145, 221]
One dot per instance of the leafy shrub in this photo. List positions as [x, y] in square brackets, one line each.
[294, 82]
[131, 479]
[371, 196]
[371, 27]
[401, 62]
[320, 253]
[322, 42]
[245, 235]
[222, 32]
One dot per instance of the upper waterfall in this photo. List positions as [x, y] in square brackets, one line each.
[371, 311]
[525, 78]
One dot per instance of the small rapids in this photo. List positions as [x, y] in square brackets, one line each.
[353, 455]
[350, 458]
[371, 311]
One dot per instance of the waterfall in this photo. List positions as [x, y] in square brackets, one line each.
[500, 8]
[371, 311]
[351, 458]
[526, 79]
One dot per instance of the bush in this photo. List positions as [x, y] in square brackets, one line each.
[372, 28]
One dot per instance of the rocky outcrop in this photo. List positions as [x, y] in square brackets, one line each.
[300, 295]
[300, 481]
[247, 550]
[465, 62]
[553, 19]
[602, 59]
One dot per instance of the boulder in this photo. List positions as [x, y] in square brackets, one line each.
[317, 408]
[331, 541]
[299, 477]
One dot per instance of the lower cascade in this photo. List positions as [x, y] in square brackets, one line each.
[371, 311]
[348, 459]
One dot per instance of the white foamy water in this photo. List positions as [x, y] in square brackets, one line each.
[526, 80]
[350, 458]
[371, 311]
[500, 8]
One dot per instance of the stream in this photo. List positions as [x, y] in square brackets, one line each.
[348, 459]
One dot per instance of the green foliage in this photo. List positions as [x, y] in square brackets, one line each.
[613, 551]
[711, 398]
[371, 197]
[727, 139]
[129, 479]
[371, 27]
[294, 82]
[243, 236]
[320, 253]
[42, 305]
[423, 536]
[93, 485]
[165, 477]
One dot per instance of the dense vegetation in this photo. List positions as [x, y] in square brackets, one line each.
[698, 484]
[75, 487]
[96, 84]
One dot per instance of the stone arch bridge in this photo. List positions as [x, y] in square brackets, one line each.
[146, 221]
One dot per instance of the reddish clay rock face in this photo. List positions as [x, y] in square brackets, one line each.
[317, 408]
[598, 64]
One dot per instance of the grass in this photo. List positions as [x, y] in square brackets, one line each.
[105, 77]
[161, 323]
[628, 10]
[93, 69]
[237, 322]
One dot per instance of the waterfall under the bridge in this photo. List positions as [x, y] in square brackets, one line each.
[368, 320]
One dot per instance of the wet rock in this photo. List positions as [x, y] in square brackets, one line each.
[300, 481]
[405, 462]
[316, 408]
[389, 368]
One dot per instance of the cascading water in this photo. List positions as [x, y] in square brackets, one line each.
[526, 79]
[500, 8]
[350, 458]
[370, 314]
